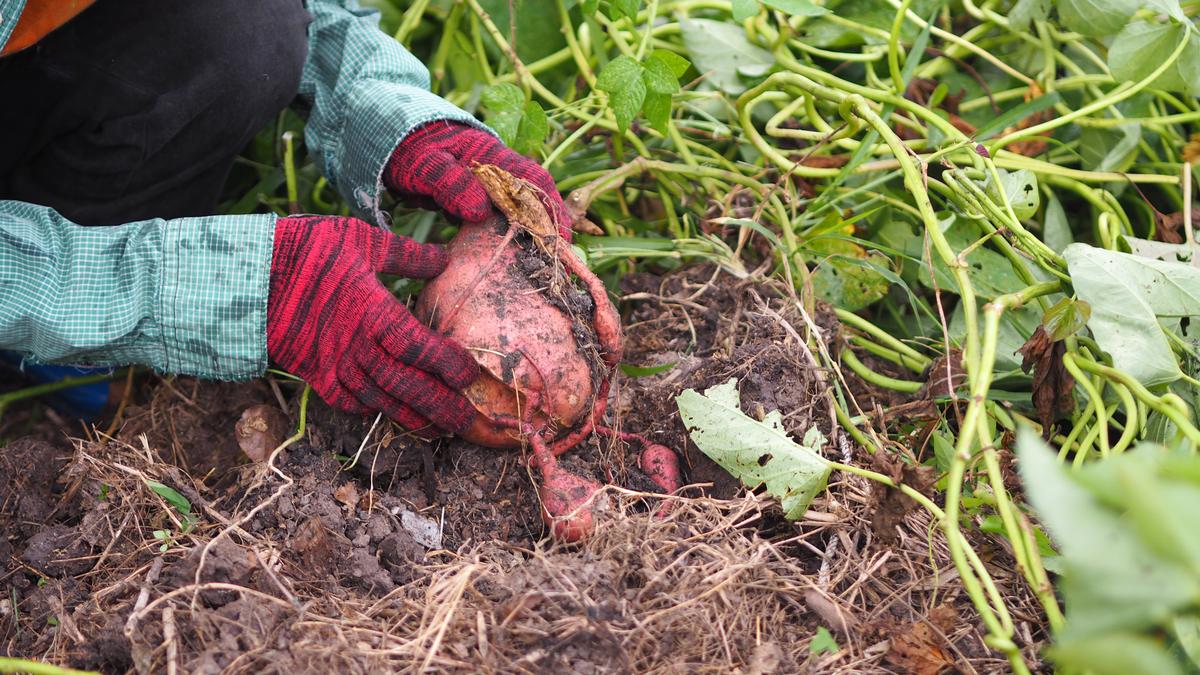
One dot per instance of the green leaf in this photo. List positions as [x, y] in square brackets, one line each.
[626, 102]
[823, 642]
[620, 73]
[1142, 47]
[990, 272]
[1128, 294]
[646, 371]
[744, 9]
[796, 7]
[1096, 18]
[657, 109]
[1116, 654]
[532, 36]
[658, 76]
[1111, 580]
[532, 130]
[1109, 149]
[719, 50]
[1066, 318]
[1027, 11]
[756, 453]
[1014, 115]
[181, 504]
[850, 278]
[504, 104]
[1021, 190]
[675, 62]
[1056, 231]
[620, 8]
[589, 7]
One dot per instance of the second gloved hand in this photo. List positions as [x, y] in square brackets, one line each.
[432, 165]
[331, 322]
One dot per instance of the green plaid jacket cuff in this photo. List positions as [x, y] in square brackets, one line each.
[185, 296]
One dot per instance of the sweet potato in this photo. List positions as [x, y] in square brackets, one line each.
[547, 339]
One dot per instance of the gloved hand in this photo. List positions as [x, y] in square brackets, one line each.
[331, 322]
[432, 165]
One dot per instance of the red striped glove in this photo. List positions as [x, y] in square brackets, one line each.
[432, 166]
[331, 322]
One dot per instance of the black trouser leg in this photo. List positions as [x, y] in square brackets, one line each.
[136, 108]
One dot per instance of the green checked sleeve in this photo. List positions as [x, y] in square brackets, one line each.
[186, 296]
[365, 93]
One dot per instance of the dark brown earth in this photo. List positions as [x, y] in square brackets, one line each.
[361, 549]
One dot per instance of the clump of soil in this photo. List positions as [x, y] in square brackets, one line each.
[362, 549]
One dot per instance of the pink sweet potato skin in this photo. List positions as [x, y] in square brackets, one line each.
[487, 303]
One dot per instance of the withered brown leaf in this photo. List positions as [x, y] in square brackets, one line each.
[1052, 383]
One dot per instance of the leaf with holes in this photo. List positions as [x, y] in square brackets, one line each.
[756, 453]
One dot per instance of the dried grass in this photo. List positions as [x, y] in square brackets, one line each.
[715, 586]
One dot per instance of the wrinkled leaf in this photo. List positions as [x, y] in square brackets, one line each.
[1053, 385]
[676, 63]
[657, 109]
[658, 76]
[532, 130]
[504, 104]
[756, 453]
[627, 102]
[719, 49]
[1128, 294]
[620, 73]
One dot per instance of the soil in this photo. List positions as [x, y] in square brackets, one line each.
[363, 549]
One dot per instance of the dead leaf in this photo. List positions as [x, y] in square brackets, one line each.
[1191, 151]
[892, 505]
[823, 161]
[347, 494]
[261, 429]
[312, 543]
[944, 376]
[766, 659]
[518, 199]
[1169, 226]
[1036, 145]
[920, 90]
[1052, 384]
[832, 614]
[917, 649]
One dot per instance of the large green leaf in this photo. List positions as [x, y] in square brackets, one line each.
[1096, 18]
[756, 453]
[1143, 46]
[1112, 577]
[719, 50]
[1130, 297]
